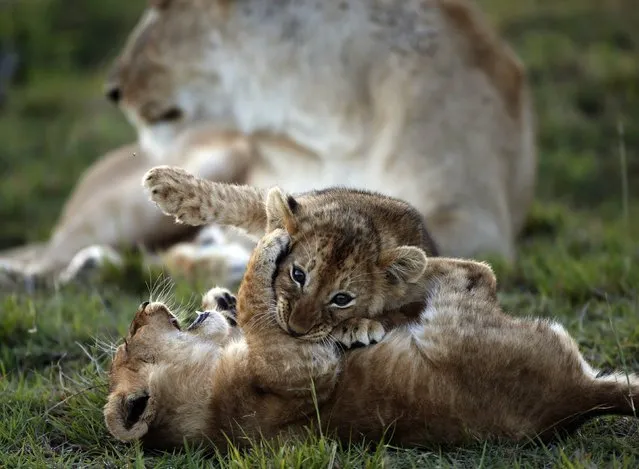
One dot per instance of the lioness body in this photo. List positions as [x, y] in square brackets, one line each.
[417, 100]
[466, 370]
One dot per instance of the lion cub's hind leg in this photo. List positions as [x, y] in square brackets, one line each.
[178, 193]
[458, 288]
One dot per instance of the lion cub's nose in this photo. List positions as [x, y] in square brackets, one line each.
[298, 329]
[154, 313]
[294, 333]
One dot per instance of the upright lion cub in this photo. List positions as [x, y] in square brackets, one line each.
[353, 253]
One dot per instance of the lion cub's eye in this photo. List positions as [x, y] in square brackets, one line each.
[342, 300]
[298, 275]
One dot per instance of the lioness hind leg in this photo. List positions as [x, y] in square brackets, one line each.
[89, 260]
[358, 332]
[491, 231]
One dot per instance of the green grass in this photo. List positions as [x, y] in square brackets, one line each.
[577, 259]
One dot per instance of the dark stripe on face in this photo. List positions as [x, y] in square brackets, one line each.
[278, 262]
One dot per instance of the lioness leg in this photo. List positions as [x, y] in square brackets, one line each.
[108, 208]
[491, 230]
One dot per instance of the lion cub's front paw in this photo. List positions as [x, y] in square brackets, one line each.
[272, 246]
[358, 332]
[223, 301]
[176, 192]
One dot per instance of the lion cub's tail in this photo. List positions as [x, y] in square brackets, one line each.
[615, 394]
[594, 396]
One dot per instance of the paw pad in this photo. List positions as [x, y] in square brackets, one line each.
[225, 301]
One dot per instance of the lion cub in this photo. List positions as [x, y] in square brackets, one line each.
[465, 371]
[352, 254]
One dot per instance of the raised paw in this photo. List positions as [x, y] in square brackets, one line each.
[223, 301]
[358, 332]
[177, 193]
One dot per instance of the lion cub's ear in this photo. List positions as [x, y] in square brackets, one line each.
[405, 263]
[280, 211]
[128, 417]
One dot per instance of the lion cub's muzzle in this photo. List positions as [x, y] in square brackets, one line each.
[301, 325]
[155, 314]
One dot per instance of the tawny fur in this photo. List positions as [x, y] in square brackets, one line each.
[367, 248]
[465, 371]
[420, 100]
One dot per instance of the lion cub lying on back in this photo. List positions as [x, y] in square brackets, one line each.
[461, 370]
[465, 371]
[353, 252]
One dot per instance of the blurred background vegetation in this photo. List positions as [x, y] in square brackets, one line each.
[582, 58]
[54, 121]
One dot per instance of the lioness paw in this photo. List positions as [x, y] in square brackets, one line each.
[177, 193]
[223, 301]
[89, 260]
[357, 332]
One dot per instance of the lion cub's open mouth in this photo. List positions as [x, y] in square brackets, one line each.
[199, 320]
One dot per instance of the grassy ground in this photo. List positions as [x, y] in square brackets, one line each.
[577, 257]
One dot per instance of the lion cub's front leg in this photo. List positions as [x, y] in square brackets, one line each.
[195, 201]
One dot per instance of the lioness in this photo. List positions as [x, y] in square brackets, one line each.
[465, 370]
[415, 99]
[419, 100]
